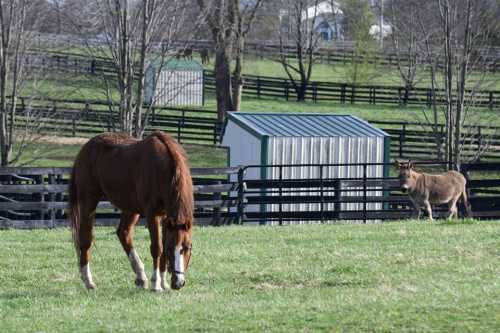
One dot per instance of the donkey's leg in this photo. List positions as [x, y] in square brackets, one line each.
[452, 207]
[85, 234]
[153, 222]
[428, 209]
[125, 233]
[416, 207]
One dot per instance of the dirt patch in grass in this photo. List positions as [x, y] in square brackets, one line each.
[61, 140]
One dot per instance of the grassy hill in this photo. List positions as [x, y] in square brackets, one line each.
[395, 277]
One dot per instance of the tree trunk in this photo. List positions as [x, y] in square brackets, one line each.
[237, 76]
[223, 83]
[4, 139]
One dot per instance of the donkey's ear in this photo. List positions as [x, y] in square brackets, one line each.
[410, 165]
[398, 163]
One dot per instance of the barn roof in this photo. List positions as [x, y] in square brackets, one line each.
[304, 125]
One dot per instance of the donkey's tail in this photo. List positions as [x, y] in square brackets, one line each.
[468, 211]
[74, 211]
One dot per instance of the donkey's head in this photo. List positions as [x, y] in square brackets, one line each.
[407, 176]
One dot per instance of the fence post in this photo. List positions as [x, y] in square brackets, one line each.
[179, 131]
[281, 195]
[343, 93]
[322, 195]
[337, 184]
[353, 94]
[364, 192]
[258, 87]
[287, 90]
[315, 92]
[216, 210]
[52, 199]
[241, 196]
[491, 100]
[74, 126]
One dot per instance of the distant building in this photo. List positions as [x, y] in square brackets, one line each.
[328, 20]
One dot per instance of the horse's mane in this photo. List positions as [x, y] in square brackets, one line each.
[182, 187]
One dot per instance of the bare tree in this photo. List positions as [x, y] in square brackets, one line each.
[245, 16]
[451, 38]
[229, 22]
[134, 34]
[298, 42]
[16, 30]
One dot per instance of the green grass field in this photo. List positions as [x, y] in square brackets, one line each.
[395, 277]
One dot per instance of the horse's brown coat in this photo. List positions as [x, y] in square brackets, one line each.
[425, 190]
[150, 178]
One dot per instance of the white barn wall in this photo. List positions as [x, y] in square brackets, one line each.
[326, 150]
[245, 150]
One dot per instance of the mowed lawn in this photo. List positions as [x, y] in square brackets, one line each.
[402, 276]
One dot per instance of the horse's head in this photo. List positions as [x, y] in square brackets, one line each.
[407, 180]
[178, 247]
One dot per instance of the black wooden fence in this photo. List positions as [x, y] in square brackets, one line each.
[86, 118]
[36, 197]
[275, 87]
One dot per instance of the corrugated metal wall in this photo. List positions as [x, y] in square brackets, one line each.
[331, 150]
[175, 87]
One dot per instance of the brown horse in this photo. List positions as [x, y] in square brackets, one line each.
[149, 178]
[425, 189]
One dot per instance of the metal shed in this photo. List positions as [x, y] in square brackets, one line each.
[300, 139]
[176, 82]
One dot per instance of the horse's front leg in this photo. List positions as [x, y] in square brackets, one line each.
[125, 233]
[156, 250]
[164, 260]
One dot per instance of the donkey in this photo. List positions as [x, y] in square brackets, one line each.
[425, 189]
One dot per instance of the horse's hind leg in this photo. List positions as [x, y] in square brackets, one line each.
[125, 233]
[153, 223]
[85, 234]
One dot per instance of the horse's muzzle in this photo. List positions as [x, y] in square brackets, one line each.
[177, 283]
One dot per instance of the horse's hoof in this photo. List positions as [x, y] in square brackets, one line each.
[141, 283]
[157, 290]
[90, 286]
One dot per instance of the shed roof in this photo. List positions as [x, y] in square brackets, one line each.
[178, 65]
[304, 125]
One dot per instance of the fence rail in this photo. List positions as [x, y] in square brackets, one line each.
[86, 118]
[37, 197]
[339, 52]
[275, 87]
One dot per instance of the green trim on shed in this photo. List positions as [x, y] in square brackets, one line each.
[387, 166]
[264, 149]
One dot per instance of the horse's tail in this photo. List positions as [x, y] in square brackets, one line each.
[181, 208]
[74, 211]
[465, 200]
